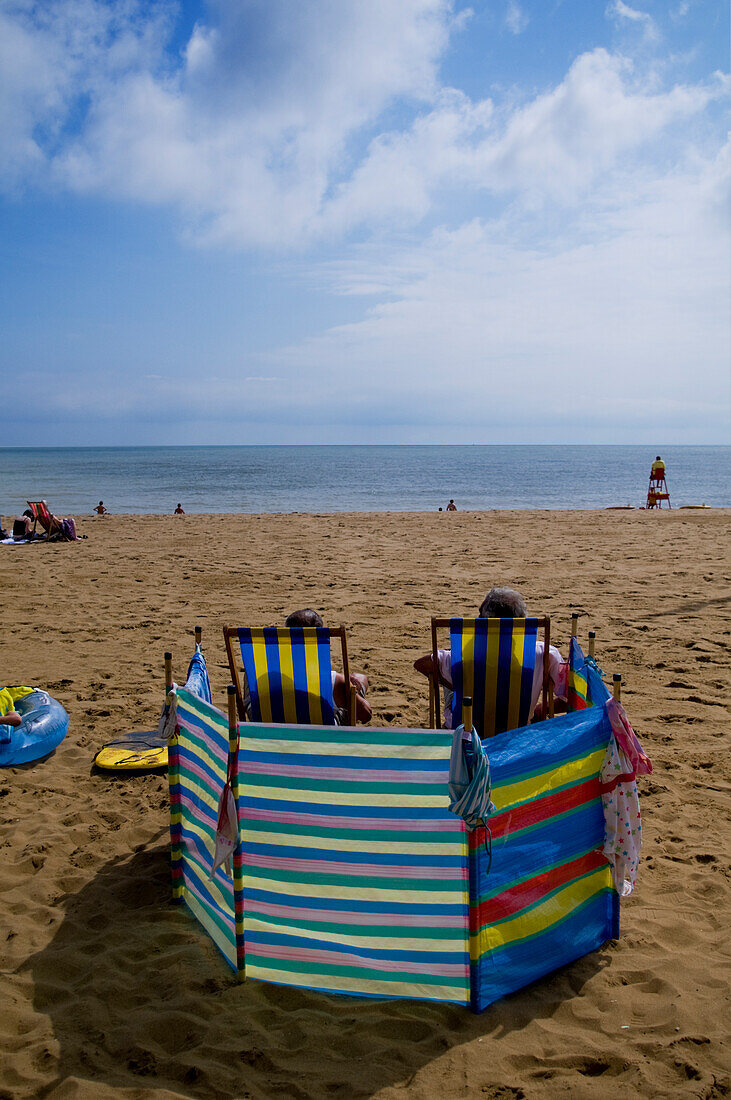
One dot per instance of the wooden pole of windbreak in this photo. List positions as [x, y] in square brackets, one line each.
[435, 719]
[547, 693]
[198, 634]
[238, 855]
[349, 689]
[617, 686]
[592, 641]
[176, 855]
[467, 713]
[574, 623]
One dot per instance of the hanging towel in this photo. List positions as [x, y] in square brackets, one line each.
[469, 779]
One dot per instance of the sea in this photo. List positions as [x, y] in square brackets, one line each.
[355, 478]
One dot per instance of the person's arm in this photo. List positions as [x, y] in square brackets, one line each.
[363, 712]
[12, 718]
[425, 665]
[558, 675]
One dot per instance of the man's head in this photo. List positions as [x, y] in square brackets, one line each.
[657, 458]
[503, 603]
[305, 617]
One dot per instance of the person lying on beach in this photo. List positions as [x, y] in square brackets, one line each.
[100, 509]
[503, 603]
[308, 617]
[179, 511]
[8, 714]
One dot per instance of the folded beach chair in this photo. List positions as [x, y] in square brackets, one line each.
[493, 661]
[288, 673]
[50, 524]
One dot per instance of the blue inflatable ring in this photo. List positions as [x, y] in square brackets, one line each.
[44, 726]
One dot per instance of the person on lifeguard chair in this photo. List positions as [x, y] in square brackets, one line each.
[657, 490]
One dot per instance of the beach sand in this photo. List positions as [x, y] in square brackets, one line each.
[109, 990]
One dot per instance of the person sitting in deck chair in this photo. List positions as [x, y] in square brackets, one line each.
[308, 617]
[502, 603]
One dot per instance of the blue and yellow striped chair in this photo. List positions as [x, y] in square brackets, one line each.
[288, 673]
[493, 661]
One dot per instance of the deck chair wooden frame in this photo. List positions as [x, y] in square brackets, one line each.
[233, 652]
[437, 624]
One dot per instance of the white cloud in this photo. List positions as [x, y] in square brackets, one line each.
[553, 148]
[601, 271]
[516, 20]
[628, 325]
[263, 133]
[621, 11]
[248, 133]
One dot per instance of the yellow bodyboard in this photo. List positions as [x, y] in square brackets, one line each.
[135, 752]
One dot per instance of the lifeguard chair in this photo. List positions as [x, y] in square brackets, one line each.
[657, 490]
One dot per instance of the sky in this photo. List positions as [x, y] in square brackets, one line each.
[366, 221]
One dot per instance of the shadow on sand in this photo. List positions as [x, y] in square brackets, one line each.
[139, 998]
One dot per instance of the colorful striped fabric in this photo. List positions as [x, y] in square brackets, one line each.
[578, 687]
[289, 674]
[546, 896]
[198, 758]
[355, 873]
[493, 661]
[353, 877]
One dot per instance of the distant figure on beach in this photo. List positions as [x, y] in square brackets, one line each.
[179, 511]
[657, 490]
[451, 507]
[502, 603]
[100, 509]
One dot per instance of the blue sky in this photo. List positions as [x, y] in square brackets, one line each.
[253, 221]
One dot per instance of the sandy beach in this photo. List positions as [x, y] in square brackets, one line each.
[109, 990]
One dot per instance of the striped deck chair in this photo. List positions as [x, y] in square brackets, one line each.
[50, 524]
[288, 673]
[493, 660]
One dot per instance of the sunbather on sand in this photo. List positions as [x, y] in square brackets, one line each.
[503, 603]
[8, 714]
[23, 526]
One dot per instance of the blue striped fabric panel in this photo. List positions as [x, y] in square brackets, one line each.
[202, 762]
[355, 872]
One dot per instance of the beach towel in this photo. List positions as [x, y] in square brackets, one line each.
[9, 697]
[469, 779]
[624, 760]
